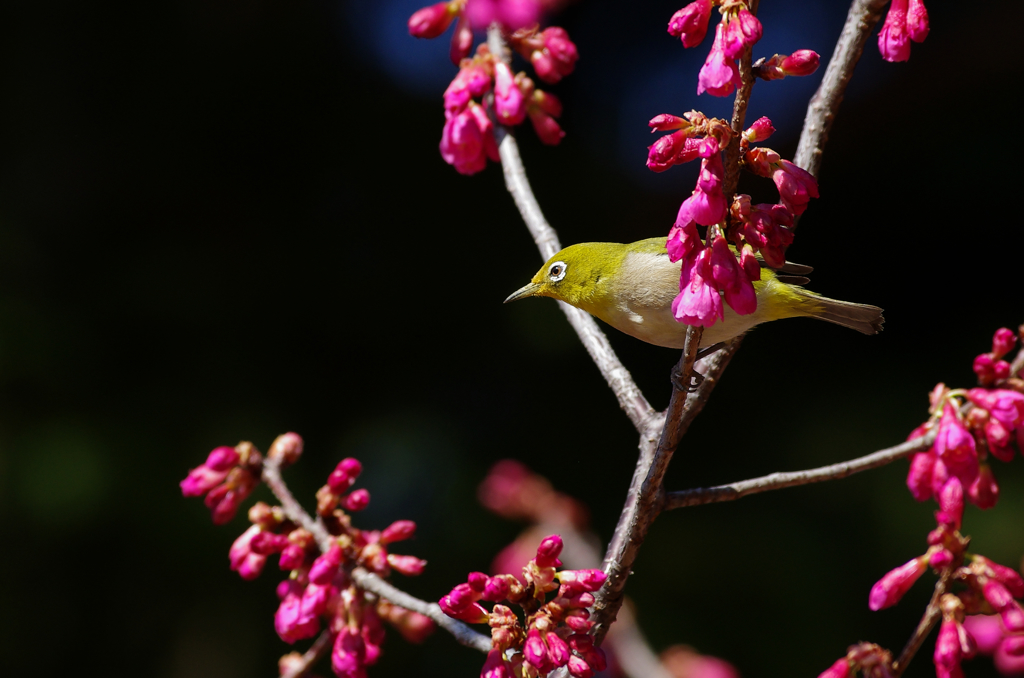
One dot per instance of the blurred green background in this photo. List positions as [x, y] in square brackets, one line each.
[227, 219]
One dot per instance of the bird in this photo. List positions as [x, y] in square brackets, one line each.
[631, 287]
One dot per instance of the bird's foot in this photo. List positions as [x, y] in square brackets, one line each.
[714, 348]
[696, 379]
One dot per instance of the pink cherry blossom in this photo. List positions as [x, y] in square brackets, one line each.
[431, 21]
[742, 30]
[731, 279]
[698, 302]
[690, 24]
[557, 58]
[509, 103]
[719, 75]
[796, 186]
[890, 588]
[706, 205]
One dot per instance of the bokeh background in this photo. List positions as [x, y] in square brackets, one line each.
[227, 219]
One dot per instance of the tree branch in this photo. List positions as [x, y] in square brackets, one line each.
[365, 580]
[644, 499]
[778, 481]
[631, 399]
[824, 105]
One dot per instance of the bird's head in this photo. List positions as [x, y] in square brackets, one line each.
[581, 275]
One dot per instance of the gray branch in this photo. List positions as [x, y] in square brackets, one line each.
[824, 105]
[778, 481]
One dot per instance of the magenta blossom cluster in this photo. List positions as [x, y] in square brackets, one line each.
[907, 20]
[968, 425]
[972, 425]
[553, 631]
[737, 31]
[992, 638]
[720, 268]
[485, 89]
[318, 590]
[227, 478]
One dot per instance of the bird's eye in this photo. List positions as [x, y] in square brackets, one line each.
[557, 271]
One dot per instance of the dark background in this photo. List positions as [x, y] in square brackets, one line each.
[227, 219]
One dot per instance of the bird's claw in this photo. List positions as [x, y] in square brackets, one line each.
[714, 348]
[696, 379]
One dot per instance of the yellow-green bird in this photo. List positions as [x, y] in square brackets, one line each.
[631, 287]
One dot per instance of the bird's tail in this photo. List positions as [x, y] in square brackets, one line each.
[864, 318]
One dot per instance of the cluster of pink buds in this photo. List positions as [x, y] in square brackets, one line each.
[738, 30]
[868, 659]
[710, 270]
[227, 478]
[971, 425]
[953, 470]
[318, 590]
[485, 89]
[907, 20]
[552, 633]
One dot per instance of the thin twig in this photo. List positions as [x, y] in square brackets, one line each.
[631, 399]
[1018, 363]
[778, 481]
[739, 114]
[932, 613]
[824, 105]
[320, 647]
[367, 580]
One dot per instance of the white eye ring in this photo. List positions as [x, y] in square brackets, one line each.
[557, 271]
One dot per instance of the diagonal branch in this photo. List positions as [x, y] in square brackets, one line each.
[367, 581]
[778, 481]
[631, 399]
[824, 105]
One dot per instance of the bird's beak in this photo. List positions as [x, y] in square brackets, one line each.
[528, 290]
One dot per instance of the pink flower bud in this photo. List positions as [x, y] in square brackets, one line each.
[890, 588]
[917, 21]
[326, 566]
[796, 186]
[893, 40]
[1007, 576]
[984, 492]
[558, 56]
[558, 649]
[496, 589]
[471, 81]
[730, 278]
[951, 502]
[222, 458]
[546, 127]
[400, 530]
[751, 266]
[799, 63]
[841, 669]
[430, 22]
[683, 240]
[698, 302]
[201, 480]
[663, 153]
[954, 444]
[535, 652]
[496, 666]
[247, 564]
[1002, 343]
[1001, 370]
[292, 557]
[548, 102]
[984, 367]
[344, 474]
[289, 622]
[509, 103]
[759, 131]
[315, 599]
[547, 552]
[947, 650]
[741, 31]
[919, 478]
[462, 41]
[410, 566]
[706, 205]
[348, 656]
[1002, 404]
[471, 613]
[1001, 600]
[286, 449]
[357, 500]
[579, 668]
[998, 439]
[691, 23]
[719, 75]
[266, 543]
[586, 580]
[941, 559]
[666, 122]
